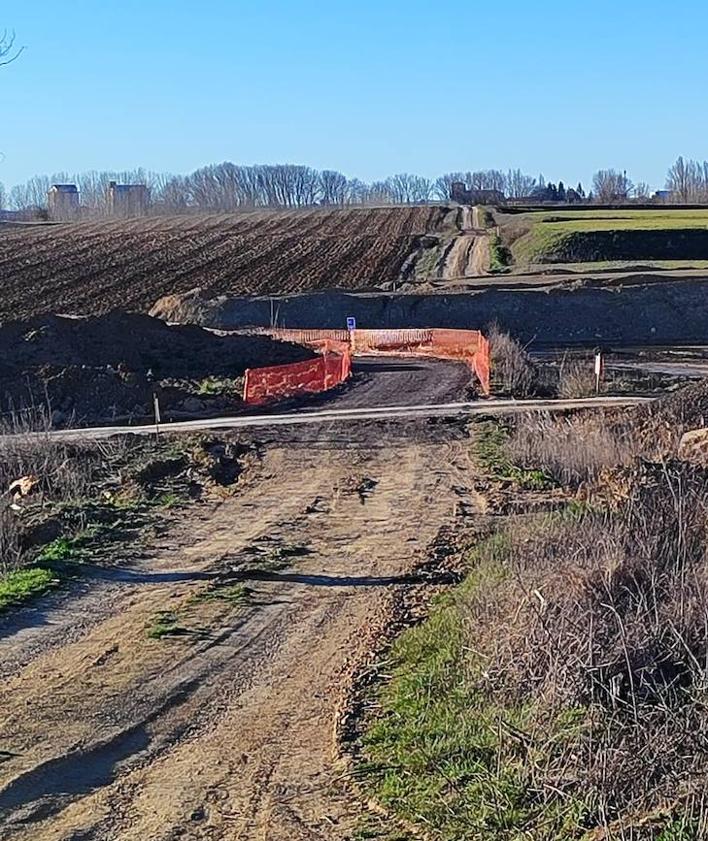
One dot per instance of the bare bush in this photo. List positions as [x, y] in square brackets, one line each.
[10, 543]
[596, 624]
[576, 378]
[65, 472]
[513, 369]
[571, 450]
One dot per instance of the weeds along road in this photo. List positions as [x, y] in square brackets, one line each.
[225, 728]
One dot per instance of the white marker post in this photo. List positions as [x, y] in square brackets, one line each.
[599, 369]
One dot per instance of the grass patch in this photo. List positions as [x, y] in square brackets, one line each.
[236, 595]
[168, 500]
[24, 584]
[67, 549]
[500, 256]
[490, 450]
[441, 753]
[215, 386]
[606, 237]
[165, 624]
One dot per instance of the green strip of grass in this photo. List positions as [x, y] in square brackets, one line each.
[489, 450]
[444, 757]
[601, 236]
[22, 585]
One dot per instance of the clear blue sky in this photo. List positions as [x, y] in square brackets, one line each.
[371, 87]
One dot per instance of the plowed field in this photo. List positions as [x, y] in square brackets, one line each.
[92, 267]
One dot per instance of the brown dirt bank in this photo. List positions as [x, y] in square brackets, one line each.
[641, 313]
[97, 368]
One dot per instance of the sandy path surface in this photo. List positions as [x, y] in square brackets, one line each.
[226, 729]
[468, 253]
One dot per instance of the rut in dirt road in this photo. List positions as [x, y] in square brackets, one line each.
[225, 729]
[467, 254]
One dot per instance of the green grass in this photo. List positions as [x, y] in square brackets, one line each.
[439, 753]
[168, 500]
[489, 450]
[66, 549]
[625, 236]
[164, 624]
[24, 584]
[500, 256]
[237, 595]
[217, 386]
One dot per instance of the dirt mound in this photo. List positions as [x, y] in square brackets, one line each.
[193, 307]
[104, 367]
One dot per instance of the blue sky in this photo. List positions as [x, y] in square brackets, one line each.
[371, 87]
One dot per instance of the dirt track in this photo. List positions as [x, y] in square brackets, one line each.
[226, 730]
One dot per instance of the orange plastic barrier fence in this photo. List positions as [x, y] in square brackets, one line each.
[328, 370]
[468, 346]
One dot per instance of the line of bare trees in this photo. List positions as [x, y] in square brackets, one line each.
[227, 187]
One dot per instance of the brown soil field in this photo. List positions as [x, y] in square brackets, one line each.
[93, 267]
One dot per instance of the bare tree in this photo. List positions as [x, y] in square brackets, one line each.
[641, 191]
[687, 181]
[442, 187]
[517, 185]
[407, 189]
[610, 185]
[8, 51]
[487, 179]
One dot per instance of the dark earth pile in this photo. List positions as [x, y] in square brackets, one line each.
[100, 368]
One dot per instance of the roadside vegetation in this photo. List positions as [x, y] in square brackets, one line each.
[67, 504]
[560, 691]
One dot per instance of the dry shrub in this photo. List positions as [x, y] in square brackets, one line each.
[513, 370]
[573, 449]
[65, 471]
[601, 621]
[10, 541]
[576, 378]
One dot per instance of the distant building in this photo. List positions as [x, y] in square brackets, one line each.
[127, 199]
[662, 195]
[459, 192]
[63, 202]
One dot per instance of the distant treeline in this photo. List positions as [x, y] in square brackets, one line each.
[227, 186]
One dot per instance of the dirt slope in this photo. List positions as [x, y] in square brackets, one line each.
[225, 730]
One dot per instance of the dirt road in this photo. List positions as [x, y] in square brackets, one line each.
[223, 728]
[468, 253]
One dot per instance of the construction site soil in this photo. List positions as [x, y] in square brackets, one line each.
[100, 368]
[641, 310]
[227, 727]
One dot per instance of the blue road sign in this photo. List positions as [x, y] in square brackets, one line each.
[351, 322]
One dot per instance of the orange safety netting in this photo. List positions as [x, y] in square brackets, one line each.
[313, 375]
[469, 346]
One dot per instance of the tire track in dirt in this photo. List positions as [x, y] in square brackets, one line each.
[467, 253]
[230, 735]
[227, 730]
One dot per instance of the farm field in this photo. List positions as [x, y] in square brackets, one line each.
[93, 267]
[659, 238]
